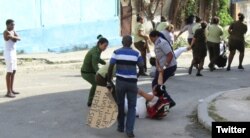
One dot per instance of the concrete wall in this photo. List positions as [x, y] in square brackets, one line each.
[56, 25]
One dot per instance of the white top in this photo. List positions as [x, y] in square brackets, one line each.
[141, 109]
[222, 48]
[168, 35]
[188, 28]
[10, 48]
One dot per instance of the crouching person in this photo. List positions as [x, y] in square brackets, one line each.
[102, 80]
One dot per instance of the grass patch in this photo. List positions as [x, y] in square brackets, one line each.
[212, 113]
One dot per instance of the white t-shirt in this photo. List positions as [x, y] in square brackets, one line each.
[141, 109]
[10, 49]
[188, 28]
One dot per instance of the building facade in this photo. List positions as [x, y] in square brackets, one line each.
[61, 25]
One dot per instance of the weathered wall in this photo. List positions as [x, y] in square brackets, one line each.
[60, 24]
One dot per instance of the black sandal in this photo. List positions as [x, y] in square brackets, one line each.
[15, 92]
[10, 96]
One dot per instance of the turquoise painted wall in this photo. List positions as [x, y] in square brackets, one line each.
[56, 25]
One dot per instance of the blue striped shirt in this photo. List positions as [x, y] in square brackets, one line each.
[126, 60]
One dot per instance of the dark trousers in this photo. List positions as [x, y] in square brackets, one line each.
[167, 73]
[141, 46]
[129, 89]
[214, 52]
[103, 82]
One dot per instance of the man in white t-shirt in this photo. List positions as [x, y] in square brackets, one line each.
[10, 38]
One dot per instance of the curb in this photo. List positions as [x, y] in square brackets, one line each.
[203, 116]
[202, 109]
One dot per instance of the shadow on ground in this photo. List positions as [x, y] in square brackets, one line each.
[63, 114]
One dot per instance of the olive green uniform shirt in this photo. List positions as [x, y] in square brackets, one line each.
[214, 33]
[161, 26]
[138, 27]
[91, 61]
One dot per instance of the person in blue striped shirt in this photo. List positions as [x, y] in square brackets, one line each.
[126, 60]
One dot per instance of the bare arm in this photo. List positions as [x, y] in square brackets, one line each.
[230, 29]
[16, 37]
[158, 67]
[145, 95]
[160, 78]
[160, 70]
[110, 73]
[169, 58]
[8, 36]
[182, 31]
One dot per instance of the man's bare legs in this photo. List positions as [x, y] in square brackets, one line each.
[9, 85]
[12, 82]
[10, 76]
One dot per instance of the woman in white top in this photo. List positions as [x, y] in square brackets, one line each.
[188, 27]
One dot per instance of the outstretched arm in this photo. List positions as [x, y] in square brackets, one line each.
[185, 28]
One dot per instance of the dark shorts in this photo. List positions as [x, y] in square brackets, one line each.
[235, 44]
[199, 52]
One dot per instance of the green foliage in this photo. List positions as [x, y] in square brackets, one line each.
[225, 33]
[223, 13]
[247, 39]
[191, 7]
[180, 42]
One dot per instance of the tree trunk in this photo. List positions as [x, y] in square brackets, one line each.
[215, 7]
[173, 10]
[175, 13]
[205, 10]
